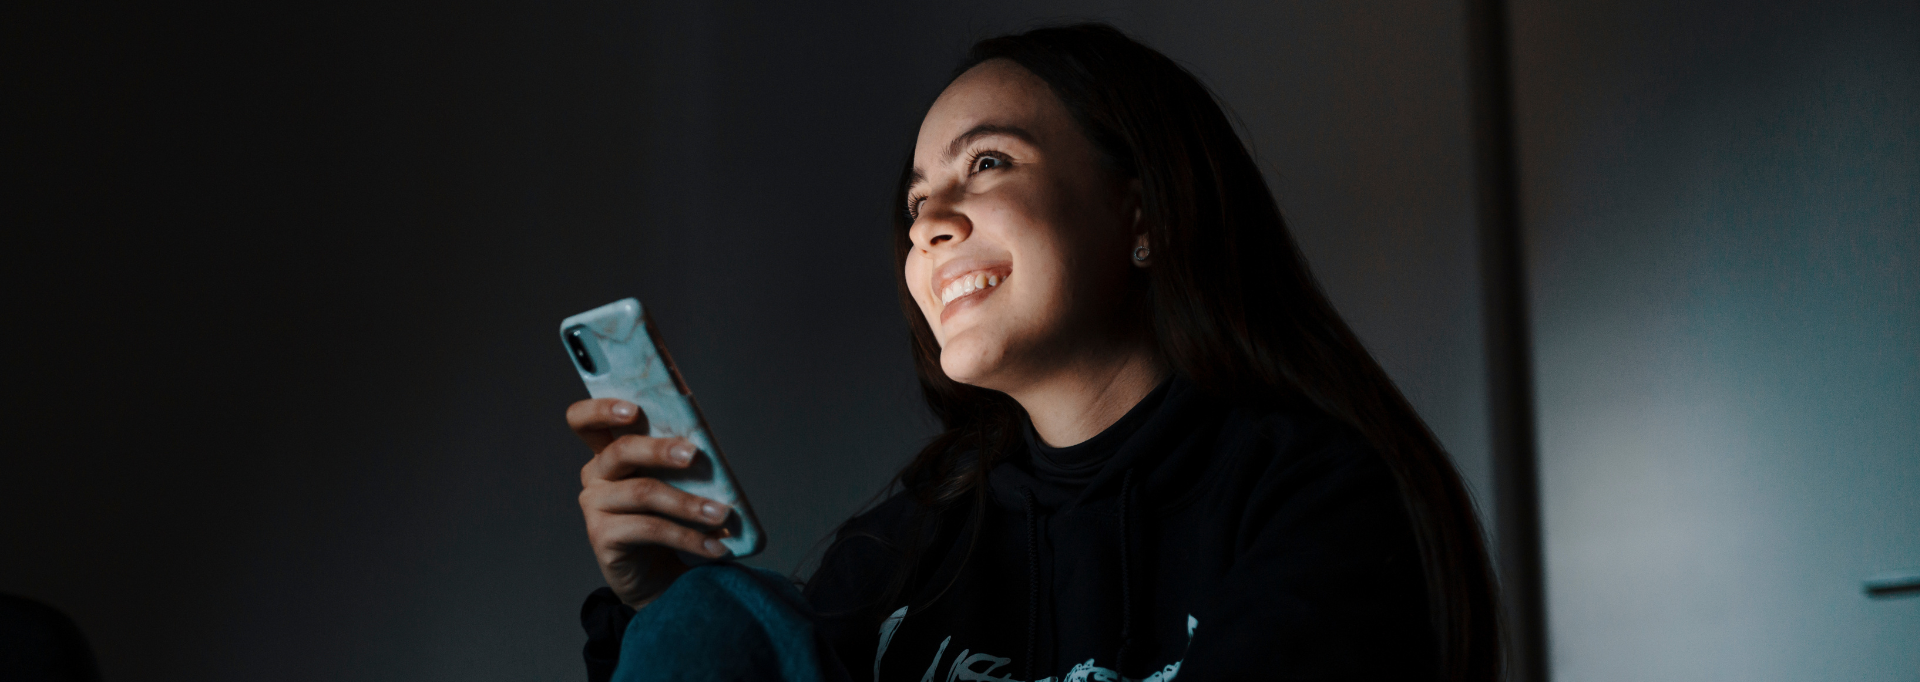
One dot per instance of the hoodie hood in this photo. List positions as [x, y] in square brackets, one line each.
[1142, 441]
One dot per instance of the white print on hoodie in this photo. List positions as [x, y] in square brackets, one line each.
[963, 669]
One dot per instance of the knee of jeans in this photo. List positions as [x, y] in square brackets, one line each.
[716, 577]
[735, 581]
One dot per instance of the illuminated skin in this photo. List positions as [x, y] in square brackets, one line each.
[1022, 255]
[1022, 263]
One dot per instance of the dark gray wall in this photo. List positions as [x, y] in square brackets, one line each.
[1723, 236]
[290, 402]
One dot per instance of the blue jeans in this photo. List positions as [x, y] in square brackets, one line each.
[723, 622]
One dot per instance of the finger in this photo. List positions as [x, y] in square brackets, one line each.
[652, 496]
[631, 453]
[594, 419]
[618, 534]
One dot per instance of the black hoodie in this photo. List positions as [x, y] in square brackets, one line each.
[1193, 539]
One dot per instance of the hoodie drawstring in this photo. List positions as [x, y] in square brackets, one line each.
[1033, 581]
[1126, 574]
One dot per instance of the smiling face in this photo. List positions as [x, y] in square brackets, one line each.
[1022, 240]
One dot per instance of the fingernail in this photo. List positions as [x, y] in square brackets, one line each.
[715, 548]
[623, 409]
[681, 453]
[713, 511]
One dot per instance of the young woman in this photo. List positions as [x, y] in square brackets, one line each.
[1164, 456]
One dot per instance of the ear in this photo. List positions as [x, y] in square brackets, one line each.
[1139, 225]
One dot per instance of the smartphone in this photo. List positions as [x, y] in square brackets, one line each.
[618, 353]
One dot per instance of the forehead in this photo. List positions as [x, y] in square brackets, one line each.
[997, 92]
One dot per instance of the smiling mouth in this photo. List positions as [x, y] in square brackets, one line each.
[968, 284]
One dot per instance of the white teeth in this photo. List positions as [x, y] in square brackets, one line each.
[968, 284]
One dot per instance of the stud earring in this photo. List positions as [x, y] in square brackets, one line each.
[1140, 253]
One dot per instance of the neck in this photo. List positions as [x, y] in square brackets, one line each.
[1079, 402]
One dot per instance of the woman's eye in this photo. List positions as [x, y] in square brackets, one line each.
[987, 162]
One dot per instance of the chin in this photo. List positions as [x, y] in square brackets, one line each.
[968, 362]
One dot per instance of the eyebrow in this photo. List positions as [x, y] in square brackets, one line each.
[974, 133]
[983, 130]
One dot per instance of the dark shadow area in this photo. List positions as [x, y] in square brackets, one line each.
[38, 643]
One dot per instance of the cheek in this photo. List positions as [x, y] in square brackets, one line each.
[917, 274]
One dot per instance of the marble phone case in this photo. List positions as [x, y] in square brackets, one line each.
[629, 363]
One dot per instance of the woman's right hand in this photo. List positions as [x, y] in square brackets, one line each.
[634, 521]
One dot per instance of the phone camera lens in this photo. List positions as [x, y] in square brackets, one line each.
[578, 344]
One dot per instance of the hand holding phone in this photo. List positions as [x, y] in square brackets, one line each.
[657, 485]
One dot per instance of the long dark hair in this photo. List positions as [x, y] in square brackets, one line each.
[1235, 310]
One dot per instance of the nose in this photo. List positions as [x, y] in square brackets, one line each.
[939, 223]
